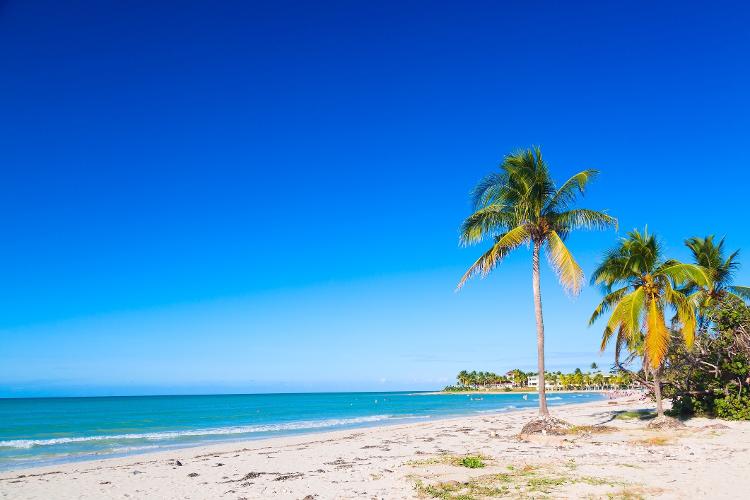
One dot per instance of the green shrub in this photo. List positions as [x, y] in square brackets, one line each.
[685, 405]
[472, 462]
[733, 408]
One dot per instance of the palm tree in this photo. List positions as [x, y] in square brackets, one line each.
[641, 287]
[721, 271]
[518, 377]
[463, 378]
[521, 205]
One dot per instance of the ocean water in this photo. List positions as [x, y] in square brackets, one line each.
[42, 431]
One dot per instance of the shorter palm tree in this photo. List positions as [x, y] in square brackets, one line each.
[641, 288]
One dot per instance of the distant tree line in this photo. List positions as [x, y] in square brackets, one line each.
[578, 379]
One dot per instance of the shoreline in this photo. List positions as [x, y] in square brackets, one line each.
[413, 459]
[357, 423]
[221, 446]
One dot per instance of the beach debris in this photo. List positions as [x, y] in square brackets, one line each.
[193, 474]
[546, 425]
[665, 422]
[178, 463]
[591, 429]
[716, 426]
[309, 497]
[291, 475]
[249, 475]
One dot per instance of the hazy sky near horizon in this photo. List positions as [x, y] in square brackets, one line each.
[245, 196]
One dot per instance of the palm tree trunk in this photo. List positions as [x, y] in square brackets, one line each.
[539, 332]
[657, 394]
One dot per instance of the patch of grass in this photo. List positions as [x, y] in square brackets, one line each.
[653, 441]
[626, 494]
[590, 429]
[472, 462]
[545, 484]
[425, 461]
[639, 414]
[517, 482]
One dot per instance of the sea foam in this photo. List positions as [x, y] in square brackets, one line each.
[160, 436]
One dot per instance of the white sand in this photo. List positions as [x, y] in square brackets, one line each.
[391, 462]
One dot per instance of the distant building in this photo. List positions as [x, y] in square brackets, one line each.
[533, 381]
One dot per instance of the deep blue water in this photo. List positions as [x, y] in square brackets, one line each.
[39, 431]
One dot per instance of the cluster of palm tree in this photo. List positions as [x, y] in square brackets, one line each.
[648, 296]
[474, 380]
[480, 379]
[652, 299]
[586, 380]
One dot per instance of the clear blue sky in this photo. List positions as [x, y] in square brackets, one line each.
[242, 196]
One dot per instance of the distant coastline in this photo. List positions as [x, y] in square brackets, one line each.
[517, 390]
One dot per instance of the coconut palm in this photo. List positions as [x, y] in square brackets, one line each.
[463, 378]
[519, 205]
[720, 270]
[641, 288]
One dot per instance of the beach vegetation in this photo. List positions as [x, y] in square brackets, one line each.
[637, 414]
[591, 429]
[517, 482]
[642, 288]
[653, 441]
[476, 461]
[517, 380]
[472, 462]
[713, 378]
[521, 205]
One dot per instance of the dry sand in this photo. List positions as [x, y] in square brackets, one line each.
[705, 460]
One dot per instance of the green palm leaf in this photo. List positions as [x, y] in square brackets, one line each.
[567, 269]
[491, 258]
[573, 187]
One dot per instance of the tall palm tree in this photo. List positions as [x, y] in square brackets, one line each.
[519, 205]
[720, 270]
[641, 288]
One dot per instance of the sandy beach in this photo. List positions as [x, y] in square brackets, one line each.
[617, 458]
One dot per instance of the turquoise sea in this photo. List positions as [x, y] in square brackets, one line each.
[41, 431]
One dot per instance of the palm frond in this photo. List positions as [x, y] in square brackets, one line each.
[741, 291]
[567, 269]
[607, 302]
[684, 273]
[489, 190]
[582, 218]
[606, 337]
[657, 335]
[686, 312]
[570, 189]
[485, 221]
[492, 257]
[627, 313]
